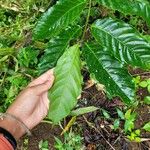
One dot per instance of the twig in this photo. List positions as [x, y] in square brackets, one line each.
[145, 146]
[92, 126]
[61, 126]
[87, 20]
[117, 139]
[142, 73]
[46, 121]
[145, 139]
[70, 123]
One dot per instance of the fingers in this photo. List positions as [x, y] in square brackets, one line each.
[43, 78]
[41, 88]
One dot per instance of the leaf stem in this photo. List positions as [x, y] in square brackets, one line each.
[46, 121]
[87, 20]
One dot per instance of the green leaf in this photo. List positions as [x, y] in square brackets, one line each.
[58, 143]
[129, 125]
[137, 80]
[58, 17]
[120, 114]
[116, 124]
[128, 114]
[148, 81]
[106, 114]
[109, 72]
[122, 6]
[81, 111]
[27, 57]
[142, 9]
[43, 145]
[124, 42]
[67, 86]
[3, 59]
[143, 84]
[147, 127]
[135, 7]
[137, 132]
[148, 88]
[137, 139]
[147, 100]
[56, 48]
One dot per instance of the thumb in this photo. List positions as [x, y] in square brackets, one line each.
[41, 88]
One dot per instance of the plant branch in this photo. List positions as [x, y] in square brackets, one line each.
[141, 74]
[87, 20]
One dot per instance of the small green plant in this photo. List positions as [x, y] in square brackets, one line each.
[105, 114]
[25, 144]
[71, 142]
[137, 80]
[145, 84]
[117, 121]
[129, 121]
[147, 127]
[43, 145]
[147, 100]
[135, 136]
[28, 57]
[128, 118]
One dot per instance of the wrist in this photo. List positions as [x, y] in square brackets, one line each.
[13, 127]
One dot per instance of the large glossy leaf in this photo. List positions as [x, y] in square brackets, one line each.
[134, 7]
[58, 17]
[142, 8]
[67, 86]
[124, 42]
[110, 72]
[56, 48]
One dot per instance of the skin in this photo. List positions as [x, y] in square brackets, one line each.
[31, 106]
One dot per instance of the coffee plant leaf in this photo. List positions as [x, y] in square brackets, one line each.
[56, 48]
[67, 86]
[135, 7]
[58, 17]
[123, 41]
[109, 72]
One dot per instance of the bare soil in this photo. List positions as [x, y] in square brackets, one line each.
[43, 131]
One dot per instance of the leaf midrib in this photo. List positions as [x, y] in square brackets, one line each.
[131, 49]
[68, 72]
[66, 13]
[106, 70]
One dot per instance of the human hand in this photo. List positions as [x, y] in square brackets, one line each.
[32, 104]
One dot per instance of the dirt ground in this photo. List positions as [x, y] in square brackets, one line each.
[43, 131]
